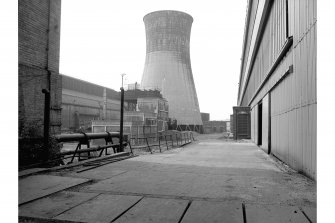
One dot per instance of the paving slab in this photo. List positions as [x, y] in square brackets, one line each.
[54, 205]
[37, 186]
[211, 169]
[103, 208]
[215, 153]
[99, 173]
[212, 212]
[208, 171]
[193, 184]
[310, 212]
[155, 210]
[30, 171]
[274, 214]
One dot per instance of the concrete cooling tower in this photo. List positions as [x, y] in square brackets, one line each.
[168, 65]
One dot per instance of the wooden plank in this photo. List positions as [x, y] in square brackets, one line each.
[310, 212]
[103, 208]
[38, 186]
[155, 210]
[274, 214]
[211, 212]
[54, 205]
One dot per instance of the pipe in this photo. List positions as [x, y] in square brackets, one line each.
[121, 118]
[80, 136]
[46, 120]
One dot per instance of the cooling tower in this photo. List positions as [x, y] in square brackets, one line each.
[168, 65]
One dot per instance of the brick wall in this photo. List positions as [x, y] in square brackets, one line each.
[39, 42]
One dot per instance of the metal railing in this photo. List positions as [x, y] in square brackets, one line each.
[84, 139]
[164, 139]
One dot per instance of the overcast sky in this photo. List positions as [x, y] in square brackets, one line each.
[102, 39]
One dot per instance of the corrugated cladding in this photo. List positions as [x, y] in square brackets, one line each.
[78, 85]
[293, 103]
[85, 100]
[249, 29]
[273, 39]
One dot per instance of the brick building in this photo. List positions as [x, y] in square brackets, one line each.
[39, 37]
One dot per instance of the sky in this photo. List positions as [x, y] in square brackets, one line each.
[102, 39]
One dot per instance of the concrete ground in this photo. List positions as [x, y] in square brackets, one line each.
[210, 180]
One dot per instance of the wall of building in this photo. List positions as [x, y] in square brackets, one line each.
[83, 102]
[279, 84]
[156, 112]
[215, 127]
[39, 38]
[205, 117]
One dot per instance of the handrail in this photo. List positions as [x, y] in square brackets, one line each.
[184, 137]
[82, 136]
[91, 149]
[84, 139]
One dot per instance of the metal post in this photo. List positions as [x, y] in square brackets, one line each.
[121, 118]
[46, 121]
[166, 142]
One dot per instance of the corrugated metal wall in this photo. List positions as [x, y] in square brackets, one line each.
[273, 40]
[87, 107]
[293, 96]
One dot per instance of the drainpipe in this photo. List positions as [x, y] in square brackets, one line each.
[121, 120]
[46, 120]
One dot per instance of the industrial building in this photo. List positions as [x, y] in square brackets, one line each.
[39, 82]
[93, 108]
[212, 126]
[215, 126]
[83, 102]
[150, 107]
[278, 79]
[205, 117]
[168, 65]
[146, 113]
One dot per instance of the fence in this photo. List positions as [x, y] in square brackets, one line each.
[163, 140]
[90, 152]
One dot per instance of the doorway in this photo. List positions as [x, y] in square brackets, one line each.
[259, 124]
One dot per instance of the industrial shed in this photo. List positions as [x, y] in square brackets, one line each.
[278, 79]
[83, 102]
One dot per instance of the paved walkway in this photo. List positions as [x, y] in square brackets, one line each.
[210, 180]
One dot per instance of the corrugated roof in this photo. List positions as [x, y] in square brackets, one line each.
[82, 86]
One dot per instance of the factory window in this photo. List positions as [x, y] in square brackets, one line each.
[150, 121]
